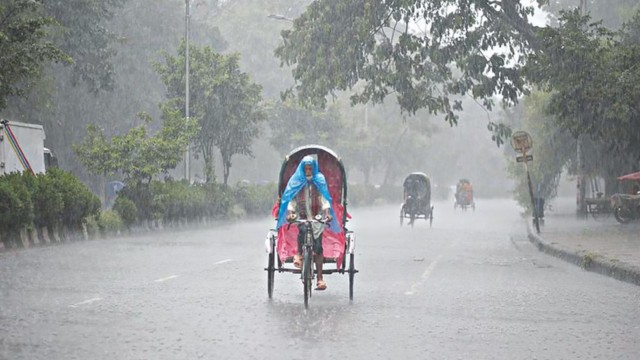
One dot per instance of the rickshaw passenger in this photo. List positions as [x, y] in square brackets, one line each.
[306, 196]
[412, 188]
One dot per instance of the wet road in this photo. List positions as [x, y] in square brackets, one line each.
[471, 287]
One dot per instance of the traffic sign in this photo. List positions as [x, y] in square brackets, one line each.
[521, 158]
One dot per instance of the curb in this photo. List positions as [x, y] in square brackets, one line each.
[588, 261]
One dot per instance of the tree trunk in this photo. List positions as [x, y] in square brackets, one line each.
[226, 166]
[33, 237]
[44, 235]
[209, 168]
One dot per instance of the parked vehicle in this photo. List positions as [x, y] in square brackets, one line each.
[22, 148]
[626, 207]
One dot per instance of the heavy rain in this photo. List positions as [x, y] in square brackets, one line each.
[263, 179]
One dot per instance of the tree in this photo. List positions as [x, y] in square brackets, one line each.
[293, 126]
[613, 13]
[81, 33]
[136, 155]
[554, 151]
[224, 100]
[593, 75]
[137, 32]
[472, 47]
[24, 46]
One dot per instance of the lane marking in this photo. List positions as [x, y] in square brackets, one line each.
[223, 261]
[86, 302]
[166, 278]
[425, 275]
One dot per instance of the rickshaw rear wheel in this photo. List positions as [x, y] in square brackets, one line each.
[352, 273]
[431, 217]
[271, 270]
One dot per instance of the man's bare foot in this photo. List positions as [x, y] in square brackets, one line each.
[321, 285]
[297, 261]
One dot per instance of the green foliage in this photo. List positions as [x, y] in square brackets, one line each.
[92, 226]
[79, 202]
[174, 202]
[109, 222]
[82, 34]
[554, 150]
[593, 75]
[47, 201]
[612, 12]
[136, 155]
[126, 209]
[16, 208]
[256, 199]
[178, 201]
[24, 46]
[335, 45]
[223, 99]
[50, 199]
[292, 126]
[112, 43]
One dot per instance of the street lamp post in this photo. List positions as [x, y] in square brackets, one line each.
[187, 155]
[521, 142]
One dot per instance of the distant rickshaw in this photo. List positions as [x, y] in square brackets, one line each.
[464, 195]
[417, 199]
[626, 207]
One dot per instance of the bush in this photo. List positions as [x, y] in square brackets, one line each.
[16, 207]
[47, 202]
[92, 226]
[126, 209]
[109, 223]
[256, 199]
[79, 202]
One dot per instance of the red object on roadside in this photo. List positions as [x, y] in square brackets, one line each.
[632, 176]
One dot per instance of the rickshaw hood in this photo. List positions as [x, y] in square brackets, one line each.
[297, 181]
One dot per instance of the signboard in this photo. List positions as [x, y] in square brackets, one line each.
[521, 141]
[522, 158]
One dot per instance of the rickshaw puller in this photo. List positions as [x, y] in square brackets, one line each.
[308, 207]
[311, 198]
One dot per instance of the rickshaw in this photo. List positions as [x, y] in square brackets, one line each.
[464, 195]
[338, 247]
[417, 199]
[626, 207]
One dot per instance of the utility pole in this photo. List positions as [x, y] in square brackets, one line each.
[187, 155]
[521, 142]
[581, 204]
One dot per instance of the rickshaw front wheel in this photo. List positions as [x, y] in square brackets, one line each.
[307, 276]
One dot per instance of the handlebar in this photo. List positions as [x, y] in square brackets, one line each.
[317, 218]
